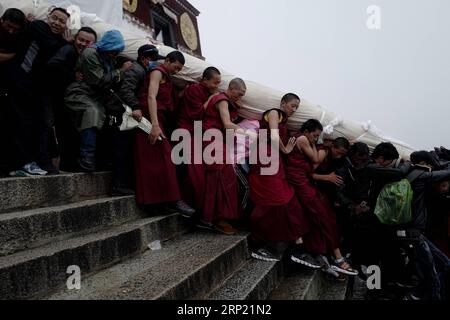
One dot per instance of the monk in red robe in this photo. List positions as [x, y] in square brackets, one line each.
[323, 236]
[277, 216]
[220, 205]
[192, 110]
[156, 179]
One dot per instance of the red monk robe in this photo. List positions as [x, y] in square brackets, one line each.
[192, 109]
[277, 216]
[221, 186]
[156, 178]
[323, 237]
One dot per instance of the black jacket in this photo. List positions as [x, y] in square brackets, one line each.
[356, 186]
[61, 67]
[420, 186]
[133, 81]
[366, 183]
[42, 44]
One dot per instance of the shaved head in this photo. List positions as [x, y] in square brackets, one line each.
[237, 83]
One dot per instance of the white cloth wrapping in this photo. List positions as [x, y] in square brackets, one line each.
[258, 98]
[129, 123]
[109, 11]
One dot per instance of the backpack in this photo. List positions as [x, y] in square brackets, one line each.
[394, 204]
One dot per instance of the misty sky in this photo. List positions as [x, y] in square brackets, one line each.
[398, 77]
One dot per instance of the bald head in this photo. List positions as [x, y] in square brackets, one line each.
[236, 89]
[237, 83]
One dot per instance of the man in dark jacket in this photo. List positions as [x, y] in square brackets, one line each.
[352, 196]
[12, 27]
[134, 78]
[371, 242]
[28, 79]
[88, 99]
[61, 73]
[432, 264]
[62, 65]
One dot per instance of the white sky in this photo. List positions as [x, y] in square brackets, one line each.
[398, 77]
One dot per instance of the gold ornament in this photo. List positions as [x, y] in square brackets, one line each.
[130, 5]
[188, 31]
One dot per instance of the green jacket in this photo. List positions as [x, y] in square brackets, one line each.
[89, 98]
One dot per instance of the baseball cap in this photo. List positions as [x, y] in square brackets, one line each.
[149, 50]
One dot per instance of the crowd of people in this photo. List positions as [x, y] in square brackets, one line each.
[62, 102]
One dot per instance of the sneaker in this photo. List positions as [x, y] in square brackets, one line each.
[19, 174]
[182, 207]
[87, 164]
[225, 228]
[305, 259]
[33, 169]
[326, 267]
[411, 297]
[204, 225]
[342, 266]
[264, 255]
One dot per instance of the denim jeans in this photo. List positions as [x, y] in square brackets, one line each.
[88, 142]
[433, 268]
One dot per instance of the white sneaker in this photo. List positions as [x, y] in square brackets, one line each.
[33, 169]
[338, 266]
[264, 255]
[19, 174]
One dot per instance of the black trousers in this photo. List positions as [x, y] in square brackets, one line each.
[18, 123]
[123, 158]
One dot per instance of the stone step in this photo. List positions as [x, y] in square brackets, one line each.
[32, 228]
[254, 281]
[306, 284]
[34, 192]
[334, 290]
[37, 272]
[187, 267]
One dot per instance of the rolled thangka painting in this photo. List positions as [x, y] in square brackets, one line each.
[258, 99]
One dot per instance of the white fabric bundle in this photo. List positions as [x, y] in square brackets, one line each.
[258, 99]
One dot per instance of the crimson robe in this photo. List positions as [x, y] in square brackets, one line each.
[277, 216]
[323, 237]
[221, 186]
[156, 178]
[192, 109]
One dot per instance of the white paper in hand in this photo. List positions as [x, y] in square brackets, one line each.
[129, 123]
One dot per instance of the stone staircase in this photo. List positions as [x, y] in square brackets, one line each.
[50, 223]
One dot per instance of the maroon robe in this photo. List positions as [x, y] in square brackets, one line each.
[195, 96]
[221, 186]
[192, 109]
[277, 216]
[156, 178]
[323, 237]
